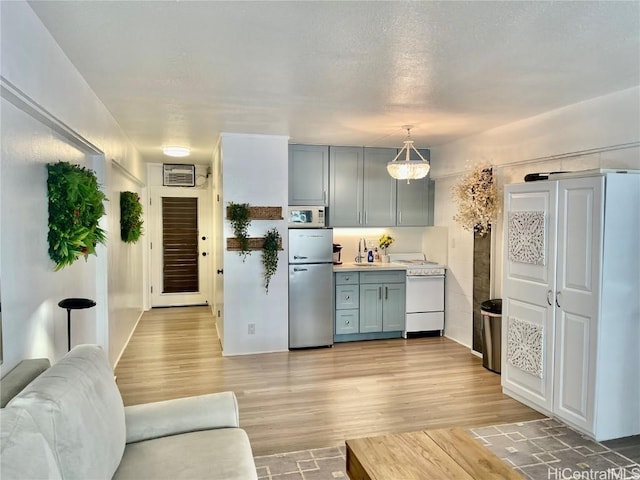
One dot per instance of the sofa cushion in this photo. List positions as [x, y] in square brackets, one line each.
[18, 378]
[24, 453]
[78, 408]
[219, 454]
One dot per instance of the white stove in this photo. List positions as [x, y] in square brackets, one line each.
[417, 264]
[425, 293]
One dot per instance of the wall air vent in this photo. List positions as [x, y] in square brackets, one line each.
[178, 175]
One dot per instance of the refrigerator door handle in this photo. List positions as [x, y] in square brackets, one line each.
[298, 269]
[299, 257]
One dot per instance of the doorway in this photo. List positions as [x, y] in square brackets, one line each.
[179, 247]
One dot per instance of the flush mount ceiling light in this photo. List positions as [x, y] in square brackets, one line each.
[176, 151]
[408, 169]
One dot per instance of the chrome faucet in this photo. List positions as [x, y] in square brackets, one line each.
[361, 243]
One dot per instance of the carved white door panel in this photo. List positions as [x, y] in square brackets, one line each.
[528, 292]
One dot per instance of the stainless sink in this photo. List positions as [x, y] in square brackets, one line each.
[356, 264]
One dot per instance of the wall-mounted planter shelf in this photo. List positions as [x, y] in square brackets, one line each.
[263, 213]
[255, 243]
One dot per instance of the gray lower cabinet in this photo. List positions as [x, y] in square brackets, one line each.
[347, 303]
[308, 174]
[369, 305]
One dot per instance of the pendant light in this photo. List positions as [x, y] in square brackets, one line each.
[408, 169]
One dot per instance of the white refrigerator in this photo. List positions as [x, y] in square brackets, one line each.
[310, 287]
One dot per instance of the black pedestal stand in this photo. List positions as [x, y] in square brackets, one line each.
[74, 304]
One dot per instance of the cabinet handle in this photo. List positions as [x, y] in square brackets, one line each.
[386, 293]
[359, 218]
[549, 292]
[379, 293]
[346, 279]
[324, 197]
[557, 297]
[366, 220]
[347, 297]
[400, 216]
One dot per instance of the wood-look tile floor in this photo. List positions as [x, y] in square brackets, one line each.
[319, 397]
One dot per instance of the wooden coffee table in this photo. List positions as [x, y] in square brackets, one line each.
[447, 454]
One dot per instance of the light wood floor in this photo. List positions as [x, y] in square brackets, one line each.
[320, 397]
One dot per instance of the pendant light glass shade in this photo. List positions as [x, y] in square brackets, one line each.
[408, 169]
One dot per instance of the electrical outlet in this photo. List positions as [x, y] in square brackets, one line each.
[252, 329]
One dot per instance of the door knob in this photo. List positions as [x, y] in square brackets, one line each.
[204, 254]
[204, 238]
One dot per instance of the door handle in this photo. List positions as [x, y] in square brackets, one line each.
[379, 293]
[549, 292]
[298, 269]
[386, 293]
[204, 254]
[220, 271]
[204, 238]
[400, 217]
[359, 218]
[296, 257]
[557, 297]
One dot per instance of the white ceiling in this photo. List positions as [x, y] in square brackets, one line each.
[340, 73]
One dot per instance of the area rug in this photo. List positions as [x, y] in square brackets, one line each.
[539, 449]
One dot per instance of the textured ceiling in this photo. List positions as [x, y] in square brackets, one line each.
[341, 73]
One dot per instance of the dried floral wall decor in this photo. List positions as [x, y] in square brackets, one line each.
[477, 199]
[75, 208]
[130, 217]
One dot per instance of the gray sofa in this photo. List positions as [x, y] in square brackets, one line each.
[70, 423]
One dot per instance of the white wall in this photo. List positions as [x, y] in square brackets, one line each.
[33, 324]
[125, 267]
[600, 133]
[49, 113]
[254, 171]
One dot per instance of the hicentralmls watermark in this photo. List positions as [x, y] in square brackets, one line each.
[616, 473]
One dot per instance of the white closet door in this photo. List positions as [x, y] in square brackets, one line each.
[528, 289]
[580, 217]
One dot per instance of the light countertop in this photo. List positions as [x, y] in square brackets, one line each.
[367, 267]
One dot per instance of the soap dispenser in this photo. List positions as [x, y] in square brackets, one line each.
[370, 256]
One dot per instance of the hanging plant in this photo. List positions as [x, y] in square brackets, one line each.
[130, 217]
[240, 218]
[270, 255]
[477, 198]
[75, 208]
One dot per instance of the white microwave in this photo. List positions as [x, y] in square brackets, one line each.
[306, 217]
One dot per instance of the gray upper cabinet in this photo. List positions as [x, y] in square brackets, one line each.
[379, 206]
[415, 201]
[346, 186]
[362, 192]
[308, 174]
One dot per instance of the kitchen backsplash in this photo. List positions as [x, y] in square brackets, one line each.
[430, 240]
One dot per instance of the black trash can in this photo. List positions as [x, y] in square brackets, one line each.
[491, 312]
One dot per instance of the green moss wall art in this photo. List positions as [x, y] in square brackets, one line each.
[75, 208]
[130, 217]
